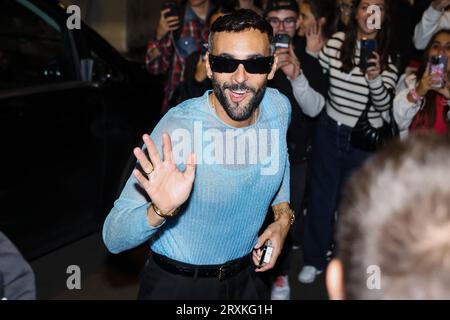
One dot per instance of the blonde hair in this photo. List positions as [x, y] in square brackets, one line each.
[396, 215]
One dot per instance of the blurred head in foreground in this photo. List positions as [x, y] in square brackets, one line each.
[394, 230]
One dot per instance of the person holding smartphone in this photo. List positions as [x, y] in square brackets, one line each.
[334, 158]
[181, 30]
[195, 80]
[295, 68]
[422, 98]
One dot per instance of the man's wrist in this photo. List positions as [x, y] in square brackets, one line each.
[164, 214]
[295, 76]
[153, 219]
[285, 215]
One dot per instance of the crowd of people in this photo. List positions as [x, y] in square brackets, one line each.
[313, 124]
[339, 79]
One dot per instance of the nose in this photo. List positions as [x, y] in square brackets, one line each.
[240, 75]
[281, 27]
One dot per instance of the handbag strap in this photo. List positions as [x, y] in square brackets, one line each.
[391, 94]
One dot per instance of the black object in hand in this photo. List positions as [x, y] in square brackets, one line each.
[368, 47]
[204, 49]
[282, 41]
[173, 9]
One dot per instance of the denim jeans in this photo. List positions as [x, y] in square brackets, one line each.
[334, 159]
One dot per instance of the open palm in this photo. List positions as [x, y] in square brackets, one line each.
[314, 39]
[167, 187]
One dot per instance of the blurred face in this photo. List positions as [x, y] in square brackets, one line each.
[362, 16]
[196, 3]
[283, 22]
[441, 46]
[345, 8]
[307, 19]
[240, 92]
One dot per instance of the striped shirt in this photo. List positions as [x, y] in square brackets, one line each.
[349, 92]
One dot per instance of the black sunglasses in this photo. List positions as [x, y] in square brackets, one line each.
[260, 65]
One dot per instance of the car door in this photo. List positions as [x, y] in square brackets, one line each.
[52, 132]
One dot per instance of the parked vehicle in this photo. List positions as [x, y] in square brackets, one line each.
[71, 111]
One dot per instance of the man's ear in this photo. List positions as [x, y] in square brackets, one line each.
[335, 280]
[209, 72]
[297, 24]
[274, 67]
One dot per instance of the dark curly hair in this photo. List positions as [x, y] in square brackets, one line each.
[238, 21]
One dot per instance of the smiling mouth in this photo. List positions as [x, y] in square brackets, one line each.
[238, 95]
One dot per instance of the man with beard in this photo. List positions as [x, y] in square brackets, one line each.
[202, 216]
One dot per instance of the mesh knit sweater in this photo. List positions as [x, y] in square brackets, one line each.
[231, 194]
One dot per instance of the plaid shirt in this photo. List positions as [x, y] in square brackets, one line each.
[168, 54]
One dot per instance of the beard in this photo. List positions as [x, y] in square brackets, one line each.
[239, 111]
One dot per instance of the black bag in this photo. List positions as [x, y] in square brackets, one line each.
[368, 138]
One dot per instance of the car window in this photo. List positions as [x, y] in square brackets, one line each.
[33, 47]
[103, 62]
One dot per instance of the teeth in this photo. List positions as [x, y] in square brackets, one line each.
[239, 92]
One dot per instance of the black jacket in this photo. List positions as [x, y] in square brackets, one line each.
[301, 130]
[16, 277]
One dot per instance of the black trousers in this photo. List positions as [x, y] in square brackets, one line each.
[158, 284]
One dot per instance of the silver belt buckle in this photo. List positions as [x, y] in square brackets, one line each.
[221, 273]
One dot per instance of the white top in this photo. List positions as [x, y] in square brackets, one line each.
[404, 110]
[310, 101]
[432, 21]
[349, 92]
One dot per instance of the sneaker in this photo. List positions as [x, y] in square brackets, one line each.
[308, 274]
[281, 289]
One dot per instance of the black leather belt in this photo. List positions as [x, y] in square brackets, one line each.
[221, 272]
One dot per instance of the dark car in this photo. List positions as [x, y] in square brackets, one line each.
[71, 111]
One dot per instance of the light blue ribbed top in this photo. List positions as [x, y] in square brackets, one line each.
[230, 198]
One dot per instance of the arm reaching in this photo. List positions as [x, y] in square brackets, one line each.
[432, 20]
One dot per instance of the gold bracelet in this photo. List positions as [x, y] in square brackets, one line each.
[278, 212]
[164, 215]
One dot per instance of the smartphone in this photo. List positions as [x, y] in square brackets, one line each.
[438, 67]
[267, 251]
[282, 41]
[173, 9]
[204, 49]
[368, 47]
